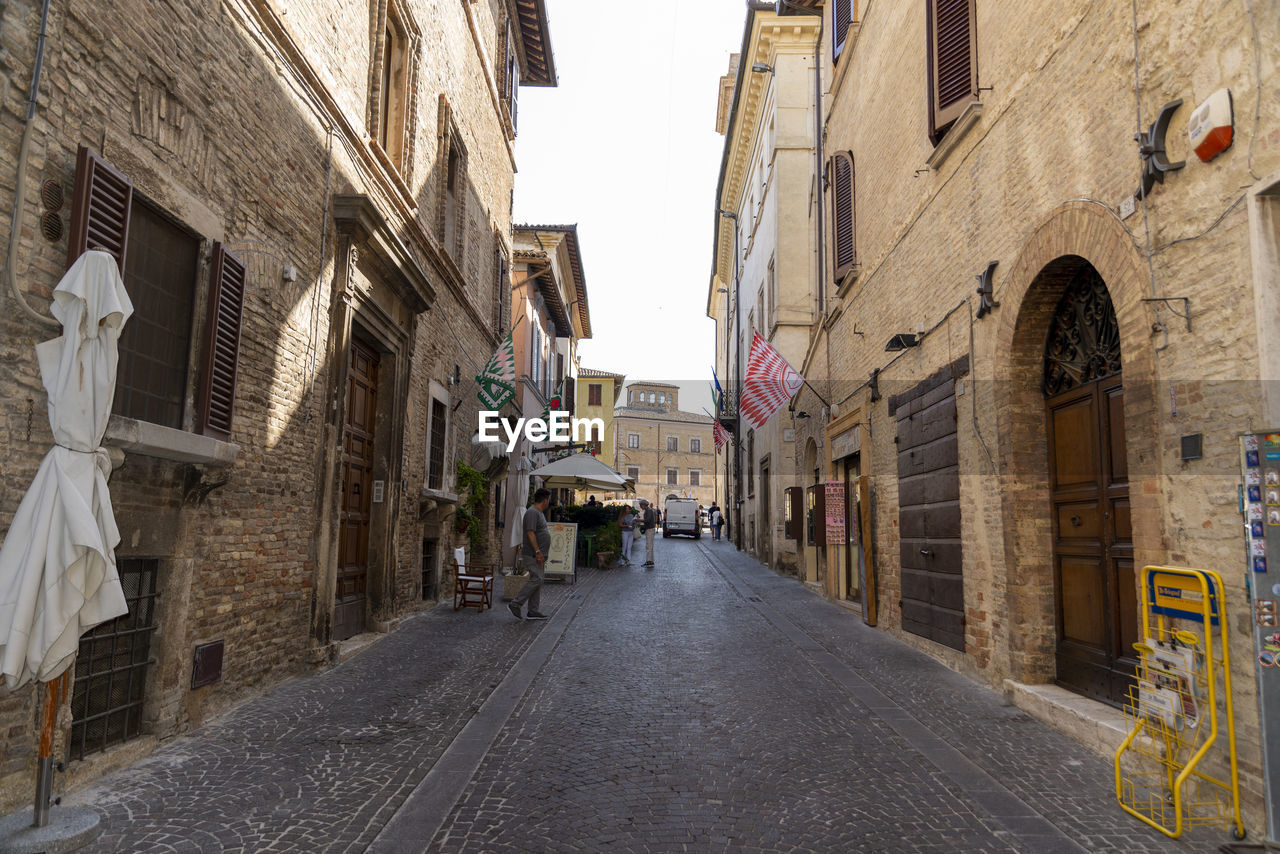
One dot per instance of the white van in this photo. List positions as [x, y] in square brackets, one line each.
[681, 517]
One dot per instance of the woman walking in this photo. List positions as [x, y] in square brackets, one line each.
[627, 522]
[717, 521]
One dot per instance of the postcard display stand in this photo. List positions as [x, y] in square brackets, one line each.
[1178, 712]
[1260, 505]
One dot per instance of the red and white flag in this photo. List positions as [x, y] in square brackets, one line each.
[721, 435]
[770, 382]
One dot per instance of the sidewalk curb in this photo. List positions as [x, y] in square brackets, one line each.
[416, 823]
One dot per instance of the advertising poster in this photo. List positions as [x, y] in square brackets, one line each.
[835, 512]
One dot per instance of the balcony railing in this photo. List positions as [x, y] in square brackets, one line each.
[727, 412]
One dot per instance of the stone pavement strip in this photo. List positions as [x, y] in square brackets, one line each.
[704, 705]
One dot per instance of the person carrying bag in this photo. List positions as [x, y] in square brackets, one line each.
[649, 529]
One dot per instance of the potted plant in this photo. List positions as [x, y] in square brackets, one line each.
[467, 520]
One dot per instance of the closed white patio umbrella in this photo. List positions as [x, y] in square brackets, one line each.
[58, 576]
[520, 465]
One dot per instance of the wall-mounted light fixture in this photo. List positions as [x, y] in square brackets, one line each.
[761, 68]
[986, 290]
[902, 341]
[729, 214]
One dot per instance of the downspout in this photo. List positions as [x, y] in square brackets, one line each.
[20, 188]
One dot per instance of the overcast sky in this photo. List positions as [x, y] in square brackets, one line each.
[626, 147]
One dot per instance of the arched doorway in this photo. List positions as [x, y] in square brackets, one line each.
[1093, 564]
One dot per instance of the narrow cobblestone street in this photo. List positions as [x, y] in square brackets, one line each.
[704, 705]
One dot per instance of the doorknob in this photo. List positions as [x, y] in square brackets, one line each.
[1075, 520]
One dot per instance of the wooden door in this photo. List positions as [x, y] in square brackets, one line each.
[1093, 541]
[929, 516]
[854, 560]
[357, 487]
[1094, 580]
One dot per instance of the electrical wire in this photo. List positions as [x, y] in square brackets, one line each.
[1257, 82]
[1146, 223]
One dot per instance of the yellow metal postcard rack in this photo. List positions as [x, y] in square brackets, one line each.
[1176, 706]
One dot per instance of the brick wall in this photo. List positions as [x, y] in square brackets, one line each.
[240, 125]
[1038, 177]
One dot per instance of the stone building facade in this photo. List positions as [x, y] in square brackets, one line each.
[549, 315]
[664, 450]
[1032, 317]
[764, 277]
[311, 204]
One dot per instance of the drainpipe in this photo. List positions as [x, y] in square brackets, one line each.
[20, 187]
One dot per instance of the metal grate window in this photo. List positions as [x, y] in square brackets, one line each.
[435, 471]
[430, 585]
[111, 667]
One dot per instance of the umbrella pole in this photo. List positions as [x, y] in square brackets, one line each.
[54, 693]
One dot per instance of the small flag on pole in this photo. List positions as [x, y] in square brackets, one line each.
[721, 435]
[554, 403]
[498, 379]
[718, 393]
[770, 382]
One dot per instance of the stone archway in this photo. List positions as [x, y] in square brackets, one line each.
[1075, 232]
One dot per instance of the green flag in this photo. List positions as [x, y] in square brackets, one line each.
[498, 379]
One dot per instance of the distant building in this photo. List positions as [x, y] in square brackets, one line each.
[549, 315]
[667, 451]
[598, 394]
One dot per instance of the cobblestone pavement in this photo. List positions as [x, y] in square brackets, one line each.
[704, 705]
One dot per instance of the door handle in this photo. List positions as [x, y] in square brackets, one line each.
[926, 552]
[1075, 520]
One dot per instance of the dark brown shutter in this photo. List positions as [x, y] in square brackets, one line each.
[953, 62]
[100, 208]
[513, 77]
[222, 343]
[842, 214]
[842, 14]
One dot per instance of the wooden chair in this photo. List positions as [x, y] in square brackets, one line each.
[472, 583]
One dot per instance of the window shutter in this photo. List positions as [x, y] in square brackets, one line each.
[100, 208]
[842, 213]
[842, 14]
[513, 77]
[953, 62]
[222, 343]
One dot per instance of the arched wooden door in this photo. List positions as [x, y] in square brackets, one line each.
[1089, 488]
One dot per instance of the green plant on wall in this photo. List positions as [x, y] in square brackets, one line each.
[472, 482]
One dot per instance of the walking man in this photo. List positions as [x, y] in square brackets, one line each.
[533, 557]
[717, 521]
[650, 530]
